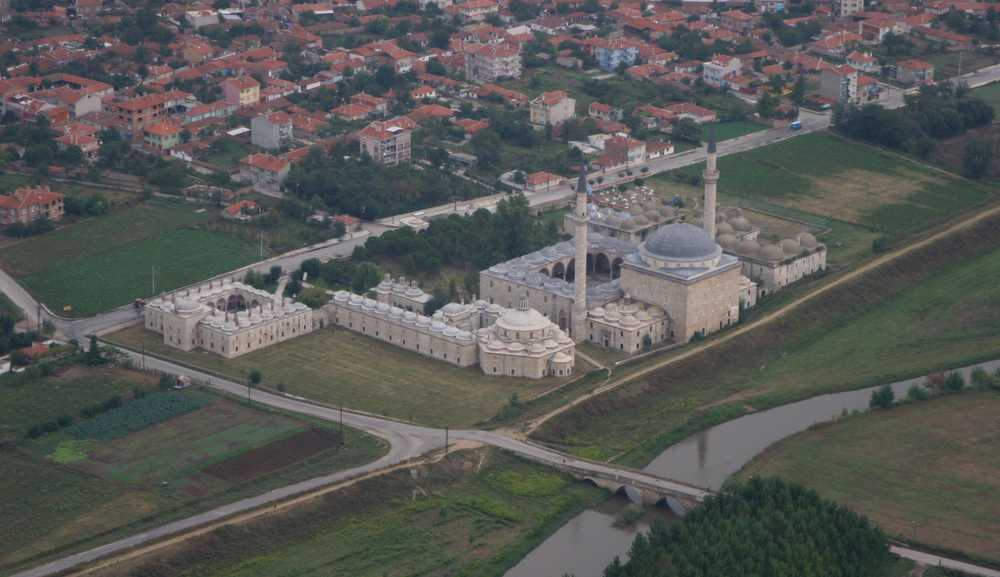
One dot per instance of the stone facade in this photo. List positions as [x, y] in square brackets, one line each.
[523, 343]
[226, 318]
[407, 329]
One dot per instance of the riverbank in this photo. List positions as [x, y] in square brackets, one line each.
[477, 513]
[926, 472]
[931, 309]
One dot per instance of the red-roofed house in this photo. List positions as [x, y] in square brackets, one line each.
[271, 131]
[552, 108]
[430, 111]
[264, 173]
[241, 91]
[242, 210]
[492, 62]
[28, 204]
[161, 136]
[385, 142]
[537, 181]
[914, 71]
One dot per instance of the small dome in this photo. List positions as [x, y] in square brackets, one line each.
[522, 320]
[748, 247]
[771, 252]
[680, 241]
[641, 220]
[741, 224]
[724, 228]
[807, 240]
[727, 241]
[667, 211]
[185, 306]
[653, 215]
[791, 246]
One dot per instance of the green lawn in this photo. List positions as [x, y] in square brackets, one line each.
[946, 64]
[100, 263]
[926, 471]
[475, 515]
[990, 93]
[67, 493]
[731, 129]
[936, 308]
[337, 366]
[826, 175]
[8, 308]
[227, 152]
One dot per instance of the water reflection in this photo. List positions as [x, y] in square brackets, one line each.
[587, 543]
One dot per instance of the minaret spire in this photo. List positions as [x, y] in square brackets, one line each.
[581, 218]
[711, 178]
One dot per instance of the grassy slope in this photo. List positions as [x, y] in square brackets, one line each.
[830, 176]
[990, 93]
[475, 515]
[65, 495]
[935, 308]
[925, 471]
[8, 308]
[338, 366]
[100, 263]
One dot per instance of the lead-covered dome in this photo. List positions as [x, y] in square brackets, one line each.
[681, 241]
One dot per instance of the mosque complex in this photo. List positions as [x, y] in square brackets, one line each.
[627, 281]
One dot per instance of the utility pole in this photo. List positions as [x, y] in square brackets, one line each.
[249, 388]
[341, 424]
[38, 326]
[446, 441]
[260, 249]
[154, 281]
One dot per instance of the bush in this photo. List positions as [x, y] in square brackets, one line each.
[64, 421]
[981, 379]
[882, 398]
[918, 393]
[35, 432]
[167, 382]
[954, 382]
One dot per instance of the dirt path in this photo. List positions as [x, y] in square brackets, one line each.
[770, 317]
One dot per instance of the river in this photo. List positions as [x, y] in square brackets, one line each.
[588, 542]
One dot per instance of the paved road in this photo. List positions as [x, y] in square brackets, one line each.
[936, 560]
[892, 96]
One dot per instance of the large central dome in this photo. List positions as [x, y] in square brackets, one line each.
[681, 241]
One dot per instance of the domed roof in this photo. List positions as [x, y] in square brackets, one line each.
[791, 246]
[740, 223]
[185, 306]
[522, 320]
[749, 246]
[724, 228]
[680, 241]
[727, 241]
[771, 252]
[807, 240]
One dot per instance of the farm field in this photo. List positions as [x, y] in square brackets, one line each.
[477, 514]
[950, 153]
[925, 471]
[78, 257]
[156, 457]
[731, 129]
[829, 176]
[337, 366]
[936, 308]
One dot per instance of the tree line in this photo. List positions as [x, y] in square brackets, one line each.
[936, 112]
[344, 184]
[764, 528]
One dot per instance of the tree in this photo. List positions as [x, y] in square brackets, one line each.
[93, 356]
[767, 105]
[486, 146]
[954, 382]
[798, 94]
[255, 376]
[686, 129]
[978, 158]
[882, 398]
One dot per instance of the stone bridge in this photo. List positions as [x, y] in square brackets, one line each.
[639, 486]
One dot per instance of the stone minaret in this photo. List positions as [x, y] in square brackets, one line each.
[711, 177]
[581, 219]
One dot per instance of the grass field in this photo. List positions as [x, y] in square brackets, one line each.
[946, 64]
[475, 515]
[990, 93]
[97, 264]
[826, 175]
[935, 308]
[731, 129]
[928, 472]
[337, 366]
[8, 308]
[65, 493]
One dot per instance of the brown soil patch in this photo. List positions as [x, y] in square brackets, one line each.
[951, 152]
[852, 193]
[274, 456]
